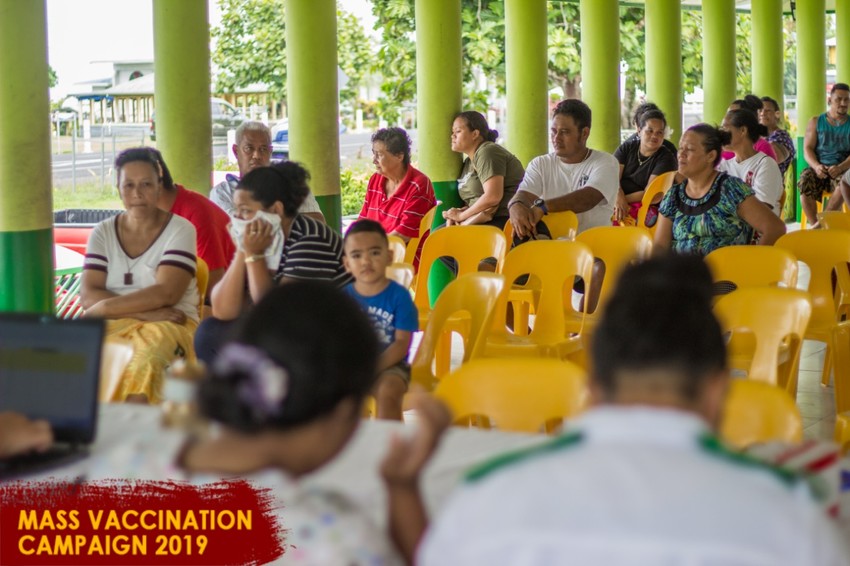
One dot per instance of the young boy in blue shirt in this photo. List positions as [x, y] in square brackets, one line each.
[389, 306]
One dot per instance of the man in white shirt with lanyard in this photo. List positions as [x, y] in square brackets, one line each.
[640, 478]
[572, 177]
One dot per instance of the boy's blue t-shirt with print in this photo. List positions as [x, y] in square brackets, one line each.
[390, 310]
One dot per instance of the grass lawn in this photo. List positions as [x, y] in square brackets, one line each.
[90, 195]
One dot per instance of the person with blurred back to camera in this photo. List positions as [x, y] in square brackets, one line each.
[388, 305]
[276, 244]
[287, 395]
[489, 176]
[710, 209]
[640, 478]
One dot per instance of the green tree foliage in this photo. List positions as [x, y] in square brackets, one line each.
[250, 47]
[52, 78]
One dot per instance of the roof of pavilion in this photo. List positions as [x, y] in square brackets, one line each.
[740, 5]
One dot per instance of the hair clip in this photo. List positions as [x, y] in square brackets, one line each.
[267, 384]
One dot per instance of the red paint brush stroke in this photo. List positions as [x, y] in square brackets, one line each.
[261, 544]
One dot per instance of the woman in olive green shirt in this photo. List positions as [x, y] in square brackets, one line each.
[490, 174]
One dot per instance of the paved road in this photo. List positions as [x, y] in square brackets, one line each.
[91, 166]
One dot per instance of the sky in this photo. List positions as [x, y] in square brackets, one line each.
[82, 31]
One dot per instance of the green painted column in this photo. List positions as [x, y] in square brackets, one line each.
[811, 70]
[26, 203]
[526, 65]
[313, 98]
[182, 90]
[768, 44]
[718, 58]
[438, 94]
[600, 63]
[664, 60]
[842, 47]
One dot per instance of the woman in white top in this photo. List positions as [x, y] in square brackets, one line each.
[139, 273]
[288, 394]
[759, 171]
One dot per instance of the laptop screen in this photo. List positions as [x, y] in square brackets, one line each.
[49, 369]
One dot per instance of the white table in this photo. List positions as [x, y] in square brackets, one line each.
[354, 472]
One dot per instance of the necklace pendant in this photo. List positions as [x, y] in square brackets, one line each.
[128, 278]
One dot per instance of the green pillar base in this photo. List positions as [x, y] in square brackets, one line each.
[440, 276]
[331, 206]
[26, 276]
[801, 164]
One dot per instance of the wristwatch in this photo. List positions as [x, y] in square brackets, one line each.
[541, 204]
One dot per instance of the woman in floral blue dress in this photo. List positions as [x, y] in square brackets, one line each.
[709, 209]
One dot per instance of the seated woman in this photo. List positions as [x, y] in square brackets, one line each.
[276, 245]
[139, 273]
[710, 209]
[215, 246]
[754, 104]
[778, 138]
[489, 176]
[398, 195]
[756, 169]
[641, 159]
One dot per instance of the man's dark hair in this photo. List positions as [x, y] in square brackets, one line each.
[839, 86]
[285, 182]
[576, 109]
[750, 102]
[660, 319]
[363, 226]
[396, 141]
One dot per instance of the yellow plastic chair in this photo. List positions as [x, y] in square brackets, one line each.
[413, 243]
[842, 432]
[467, 245]
[401, 273]
[202, 274]
[753, 266]
[520, 395]
[562, 226]
[553, 265]
[113, 361]
[756, 412]
[767, 326]
[835, 220]
[826, 252]
[398, 248]
[617, 247]
[659, 185]
[474, 294]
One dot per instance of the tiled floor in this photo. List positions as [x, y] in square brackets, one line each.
[817, 403]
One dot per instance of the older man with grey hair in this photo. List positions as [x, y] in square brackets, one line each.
[253, 148]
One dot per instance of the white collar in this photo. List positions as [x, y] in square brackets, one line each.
[615, 424]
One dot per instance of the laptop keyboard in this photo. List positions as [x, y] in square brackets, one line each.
[55, 457]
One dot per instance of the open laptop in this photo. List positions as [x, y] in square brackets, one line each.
[50, 369]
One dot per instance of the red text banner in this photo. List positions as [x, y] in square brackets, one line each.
[137, 522]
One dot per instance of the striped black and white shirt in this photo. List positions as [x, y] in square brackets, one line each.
[312, 250]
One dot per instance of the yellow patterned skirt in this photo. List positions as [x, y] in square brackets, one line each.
[155, 346]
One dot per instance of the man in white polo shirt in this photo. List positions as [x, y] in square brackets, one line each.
[572, 177]
[640, 479]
